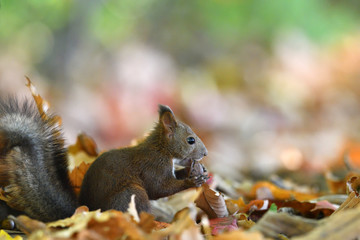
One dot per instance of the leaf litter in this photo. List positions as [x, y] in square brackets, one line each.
[251, 210]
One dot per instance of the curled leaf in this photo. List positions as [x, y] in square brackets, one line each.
[352, 201]
[84, 143]
[212, 203]
[42, 105]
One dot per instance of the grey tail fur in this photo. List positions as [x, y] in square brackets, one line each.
[33, 163]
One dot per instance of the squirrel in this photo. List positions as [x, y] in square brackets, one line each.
[34, 168]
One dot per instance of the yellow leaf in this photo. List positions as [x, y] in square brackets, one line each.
[5, 236]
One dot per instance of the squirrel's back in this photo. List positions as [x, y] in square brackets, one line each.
[33, 163]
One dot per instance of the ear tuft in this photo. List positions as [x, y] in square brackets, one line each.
[163, 109]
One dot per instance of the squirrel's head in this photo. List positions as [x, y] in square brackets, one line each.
[183, 142]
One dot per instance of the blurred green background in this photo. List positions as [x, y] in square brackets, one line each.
[266, 84]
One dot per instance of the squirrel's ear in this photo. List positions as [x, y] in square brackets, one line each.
[167, 119]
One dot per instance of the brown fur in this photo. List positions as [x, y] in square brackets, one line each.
[34, 175]
[33, 163]
[145, 170]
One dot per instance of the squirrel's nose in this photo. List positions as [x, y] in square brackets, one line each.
[205, 152]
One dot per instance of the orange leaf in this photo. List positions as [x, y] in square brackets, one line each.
[335, 185]
[42, 105]
[147, 223]
[77, 175]
[84, 143]
[281, 194]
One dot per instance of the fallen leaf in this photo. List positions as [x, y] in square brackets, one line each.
[182, 222]
[77, 175]
[279, 193]
[114, 227]
[84, 143]
[335, 185]
[212, 203]
[244, 221]
[257, 208]
[353, 184]
[5, 236]
[343, 225]
[239, 235]
[147, 223]
[272, 224]
[166, 208]
[351, 202]
[42, 105]
[220, 225]
[324, 205]
[107, 225]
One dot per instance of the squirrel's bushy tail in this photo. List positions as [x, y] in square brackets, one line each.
[33, 163]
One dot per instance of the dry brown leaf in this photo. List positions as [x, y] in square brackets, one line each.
[351, 202]
[81, 215]
[244, 222]
[84, 150]
[176, 229]
[115, 227]
[107, 225]
[84, 143]
[212, 203]
[166, 208]
[343, 225]
[81, 155]
[340, 186]
[353, 183]
[272, 224]
[257, 208]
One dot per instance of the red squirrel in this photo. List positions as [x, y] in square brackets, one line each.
[34, 175]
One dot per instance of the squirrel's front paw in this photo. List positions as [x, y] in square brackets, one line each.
[197, 181]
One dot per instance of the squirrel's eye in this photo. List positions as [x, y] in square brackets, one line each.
[190, 140]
